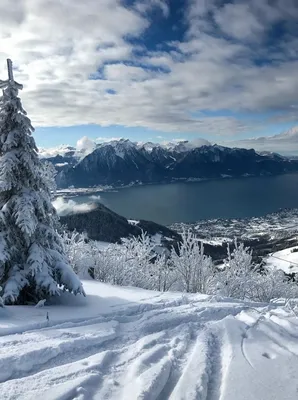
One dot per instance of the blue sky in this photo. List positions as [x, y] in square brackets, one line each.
[52, 136]
[154, 70]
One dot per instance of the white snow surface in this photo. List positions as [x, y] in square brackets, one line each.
[133, 221]
[61, 164]
[128, 343]
[286, 260]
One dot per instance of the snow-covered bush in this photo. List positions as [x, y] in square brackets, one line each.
[147, 269]
[104, 266]
[272, 284]
[79, 252]
[242, 279]
[135, 263]
[194, 269]
[32, 262]
[237, 276]
[167, 276]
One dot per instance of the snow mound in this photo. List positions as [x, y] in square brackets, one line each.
[128, 343]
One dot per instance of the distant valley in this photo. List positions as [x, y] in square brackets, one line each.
[271, 233]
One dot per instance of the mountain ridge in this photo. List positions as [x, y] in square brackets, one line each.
[103, 224]
[123, 162]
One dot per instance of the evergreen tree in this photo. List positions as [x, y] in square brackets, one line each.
[32, 261]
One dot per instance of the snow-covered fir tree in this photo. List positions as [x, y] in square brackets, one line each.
[33, 265]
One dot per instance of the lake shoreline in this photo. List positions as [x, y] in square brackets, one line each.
[74, 191]
[188, 202]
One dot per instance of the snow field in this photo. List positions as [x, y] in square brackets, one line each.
[285, 260]
[128, 343]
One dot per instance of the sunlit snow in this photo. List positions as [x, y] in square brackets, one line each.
[128, 343]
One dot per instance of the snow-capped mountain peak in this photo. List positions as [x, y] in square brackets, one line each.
[124, 143]
[121, 147]
[149, 146]
[86, 145]
[181, 146]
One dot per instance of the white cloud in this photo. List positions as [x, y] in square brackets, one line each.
[121, 72]
[285, 143]
[187, 144]
[178, 140]
[54, 151]
[106, 139]
[85, 145]
[95, 197]
[58, 46]
[144, 6]
[64, 206]
[200, 142]
[236, 20]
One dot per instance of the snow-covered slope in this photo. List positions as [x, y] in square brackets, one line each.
[127, 343]
[286, 260]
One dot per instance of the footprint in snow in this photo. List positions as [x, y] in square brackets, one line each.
[269, 356]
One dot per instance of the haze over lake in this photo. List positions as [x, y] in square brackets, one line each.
[189, 202]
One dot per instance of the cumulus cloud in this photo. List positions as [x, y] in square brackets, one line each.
[200, 142]
[79, 65]
[187, 144]
[103, 139]
[67, 206]
[95, 197]
[285, 143]
[237, 21]
[61, 150]
[85, 145]
[147, 5]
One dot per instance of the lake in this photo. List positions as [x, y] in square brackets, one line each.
[189, 202]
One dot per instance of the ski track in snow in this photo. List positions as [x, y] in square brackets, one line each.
[183, 348]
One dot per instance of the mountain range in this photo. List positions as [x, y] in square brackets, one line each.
[122, 162]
